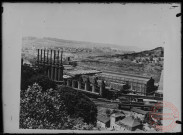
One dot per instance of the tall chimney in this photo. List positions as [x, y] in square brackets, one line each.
[61, 55]
[61, 68]
[22, 61]
[47, 55]
[38, 56]
[44, 56]
[54, 56]
[51, 57]
[58, 58]
[41, 55]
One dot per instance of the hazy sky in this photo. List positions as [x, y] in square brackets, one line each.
[142, 25]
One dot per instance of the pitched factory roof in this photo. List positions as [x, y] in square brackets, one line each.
[126, 76]
[129, 121]
[83, 72]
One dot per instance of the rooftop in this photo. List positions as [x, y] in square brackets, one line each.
[83, 72]
[129, 121]
[103, 118]
[101, 110]
[134, 109]
[138, 130]
[118, 114]
[127, 77]
[149, 100]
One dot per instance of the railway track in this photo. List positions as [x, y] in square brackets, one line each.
[112, 105]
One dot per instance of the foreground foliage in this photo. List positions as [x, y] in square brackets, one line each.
[47, 109]
[41, 109]
[79, 105]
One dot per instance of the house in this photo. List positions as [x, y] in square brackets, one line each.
[118, 121]
[129, 123]
[115, 117]
[103, 121]
[138, 113]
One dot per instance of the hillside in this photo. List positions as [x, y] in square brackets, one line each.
[55, 42]
[146, 63]
[157, 52]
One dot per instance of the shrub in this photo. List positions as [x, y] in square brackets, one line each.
[126, 86]
[41, 109]
[47, 110]
[79, 105]
[26, 73]
[150, 86]
[29, 76]
[43, 81]
[108, 112]
[80, 125]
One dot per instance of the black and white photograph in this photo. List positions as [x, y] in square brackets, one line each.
[92, 67]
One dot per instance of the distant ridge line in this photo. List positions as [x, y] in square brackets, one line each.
[87, 44]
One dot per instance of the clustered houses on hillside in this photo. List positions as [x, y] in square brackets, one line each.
[120, 121]
[142, 60]
[128, 123]
[76, 49]
[138, 113]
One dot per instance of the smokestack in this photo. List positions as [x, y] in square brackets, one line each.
[38, 56]
[47, 55]
[58, 58]
[51, 57]
[22, 61]
[54, 56]
[61, 55]
[41, 55]
[44, 55]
